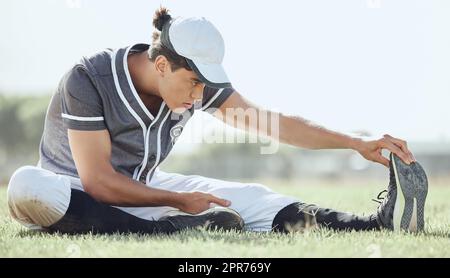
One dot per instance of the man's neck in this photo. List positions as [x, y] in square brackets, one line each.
[142, 80]
[141, 74]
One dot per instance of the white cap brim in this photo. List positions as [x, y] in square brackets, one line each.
[213, 75]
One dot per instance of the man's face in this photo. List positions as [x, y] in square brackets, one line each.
[180, 89]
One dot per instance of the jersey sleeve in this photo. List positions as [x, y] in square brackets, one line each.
[82, 107]
[213, 98]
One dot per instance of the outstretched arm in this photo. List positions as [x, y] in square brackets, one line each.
[300, 132]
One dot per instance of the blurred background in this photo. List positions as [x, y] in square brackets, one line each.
[370, 66]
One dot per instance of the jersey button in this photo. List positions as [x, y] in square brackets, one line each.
[152, 157]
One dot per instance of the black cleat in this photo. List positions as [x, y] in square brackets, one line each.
[216, 218]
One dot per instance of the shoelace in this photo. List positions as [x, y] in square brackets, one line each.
[379, 197]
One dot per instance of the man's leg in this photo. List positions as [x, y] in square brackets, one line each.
[38, 198]
[255, 203]
[261, 208]
[406, 182]
[84, 214]
[298, 216]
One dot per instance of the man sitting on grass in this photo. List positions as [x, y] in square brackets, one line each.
[115, 117]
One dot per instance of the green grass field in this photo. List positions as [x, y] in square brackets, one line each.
[15, 241]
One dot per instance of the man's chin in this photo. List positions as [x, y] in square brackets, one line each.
[178, 110]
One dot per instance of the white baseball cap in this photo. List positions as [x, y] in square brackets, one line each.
[199, 41]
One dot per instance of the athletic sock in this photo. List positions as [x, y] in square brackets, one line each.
[300, 215]
[85, 214]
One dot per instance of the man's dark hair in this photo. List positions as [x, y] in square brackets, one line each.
[176, 61]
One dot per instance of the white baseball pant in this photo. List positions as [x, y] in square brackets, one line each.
[39, 198]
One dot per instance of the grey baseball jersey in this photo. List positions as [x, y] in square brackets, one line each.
[98, 93]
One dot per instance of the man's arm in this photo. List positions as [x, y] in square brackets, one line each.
[300, 132]
[91, 151]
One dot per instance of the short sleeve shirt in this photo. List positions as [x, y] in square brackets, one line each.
[97, 93]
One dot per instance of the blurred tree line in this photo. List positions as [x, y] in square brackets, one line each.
[21, 126]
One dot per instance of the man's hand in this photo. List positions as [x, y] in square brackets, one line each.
[371, 149]
[197, 202]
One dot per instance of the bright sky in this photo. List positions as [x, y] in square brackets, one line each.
[375, 65]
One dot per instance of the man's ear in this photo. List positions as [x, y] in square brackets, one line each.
[162, 64]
